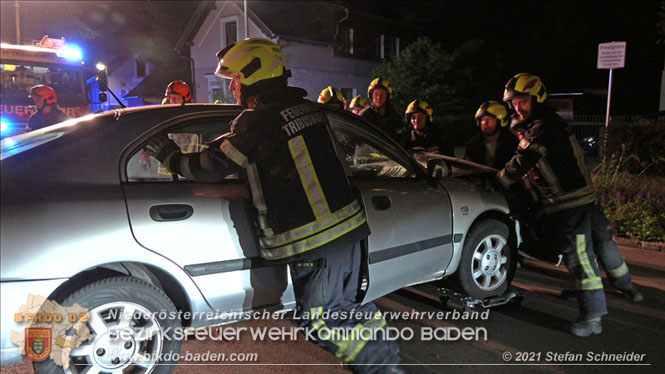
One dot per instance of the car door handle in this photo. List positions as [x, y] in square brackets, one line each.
[171, 212]
[381, 202]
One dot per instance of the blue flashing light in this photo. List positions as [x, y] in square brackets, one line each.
[4, 126]
[71, 53]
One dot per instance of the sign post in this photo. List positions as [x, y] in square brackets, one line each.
[611, 56]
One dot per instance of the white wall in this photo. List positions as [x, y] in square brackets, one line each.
[314, 67]
[208, 41]
[123, 78]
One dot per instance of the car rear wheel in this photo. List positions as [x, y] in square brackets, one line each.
[133, 326]
[487, 263]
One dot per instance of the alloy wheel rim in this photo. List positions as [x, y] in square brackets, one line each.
[124, 336]
[488, 266]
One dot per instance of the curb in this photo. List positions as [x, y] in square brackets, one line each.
[634, 243]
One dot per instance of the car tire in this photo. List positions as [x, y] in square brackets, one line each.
[133, 324]
[487, 264]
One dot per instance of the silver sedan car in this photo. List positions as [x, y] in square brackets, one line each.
[89, 218]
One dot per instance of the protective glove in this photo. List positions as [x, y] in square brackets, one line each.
[162, 148]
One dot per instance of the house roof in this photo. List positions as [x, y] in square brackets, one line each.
[155, 83]
[317, 21]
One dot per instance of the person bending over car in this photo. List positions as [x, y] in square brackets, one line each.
[308, 215]
[551, 159]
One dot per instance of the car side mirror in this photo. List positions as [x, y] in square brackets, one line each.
[438, 168]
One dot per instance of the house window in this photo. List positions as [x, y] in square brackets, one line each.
[393, 47]
[347, 93]
[380, 46]
[350, 41]
[218, 90]
[229, 30]
[140, 67]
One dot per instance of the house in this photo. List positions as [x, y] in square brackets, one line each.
[127, 72]
[324, 43]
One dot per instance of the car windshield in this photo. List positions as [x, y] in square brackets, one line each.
[459, 167]
[16, 144]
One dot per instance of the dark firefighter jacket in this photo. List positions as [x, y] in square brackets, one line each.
[506, 145]
[39, 119]
[390, 123]
[553, 162]
[299, 188]
[431, 140]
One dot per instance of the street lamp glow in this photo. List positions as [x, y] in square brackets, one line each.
[101, 66]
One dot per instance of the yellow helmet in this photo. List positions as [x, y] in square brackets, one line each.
[380, 83]
[418, 106]
[525, 84]
[359, 102]
[493, 109]
[253, 59]
[331, 95]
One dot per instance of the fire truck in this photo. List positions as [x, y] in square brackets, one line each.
[48, 61]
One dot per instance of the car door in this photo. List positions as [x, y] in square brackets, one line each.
[409, 217]
[206, 228]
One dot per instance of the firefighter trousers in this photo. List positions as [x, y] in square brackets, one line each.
[573, 230]
[607, 251]
[326, 285]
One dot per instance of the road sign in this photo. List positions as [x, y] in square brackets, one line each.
[611, 55]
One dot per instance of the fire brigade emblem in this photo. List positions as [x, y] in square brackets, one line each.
[38, 343]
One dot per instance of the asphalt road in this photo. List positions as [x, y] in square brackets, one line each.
[529, 337]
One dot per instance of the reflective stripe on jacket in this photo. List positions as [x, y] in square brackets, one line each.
[298, 185]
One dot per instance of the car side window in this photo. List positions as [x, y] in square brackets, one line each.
[191, 137]
[143, 167]
[365, 156]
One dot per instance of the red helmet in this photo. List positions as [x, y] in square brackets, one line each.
[47, 92]
[179, 88]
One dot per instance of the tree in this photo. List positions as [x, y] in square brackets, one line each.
[453, 83]
[423, 70]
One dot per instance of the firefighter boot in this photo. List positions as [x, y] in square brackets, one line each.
[633, 294]
[586, 326]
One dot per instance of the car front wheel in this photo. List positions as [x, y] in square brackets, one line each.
[487, 261]
[133, 326]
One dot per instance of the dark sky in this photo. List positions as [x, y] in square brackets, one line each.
[556, 40]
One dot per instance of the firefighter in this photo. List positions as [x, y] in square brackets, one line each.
[46, 103]
[358, 103]
[495, 145]
[333, 97]
[552, 160]
[177, 92]
[381, 111]
[307, 213]
[423, 134]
